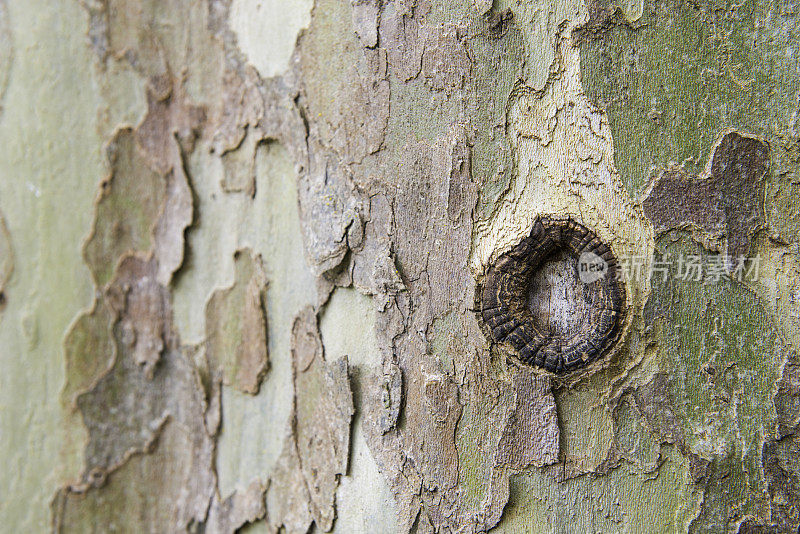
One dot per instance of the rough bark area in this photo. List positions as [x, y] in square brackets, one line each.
[268, 317]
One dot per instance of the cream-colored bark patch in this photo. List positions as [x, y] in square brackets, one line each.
[364, 501]
[50, 164]
[269, 224]
[632, 10]
[348, 328]
[267, 30]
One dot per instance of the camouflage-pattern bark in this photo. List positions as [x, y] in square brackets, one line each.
[242, 244]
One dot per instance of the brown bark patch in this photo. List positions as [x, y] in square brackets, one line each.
[236, 326]
[169, 118]
[127, 208]
[728, 203]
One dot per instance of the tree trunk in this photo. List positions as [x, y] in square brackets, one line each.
[283, 265]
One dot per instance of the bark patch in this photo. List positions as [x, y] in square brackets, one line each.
[6, 260]
[727, 203]
[173, 464]
[236, 325]
[316, 454]
[145, 419]
[127, 208]
[531, 434]
[246, 506]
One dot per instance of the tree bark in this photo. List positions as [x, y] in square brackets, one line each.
[246, 251]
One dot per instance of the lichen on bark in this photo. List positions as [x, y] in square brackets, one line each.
[277, 315]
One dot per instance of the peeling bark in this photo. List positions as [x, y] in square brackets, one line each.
[316, 452]
[263, 157]
[236, 326]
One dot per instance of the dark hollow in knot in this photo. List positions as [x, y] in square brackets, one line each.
[506, 288]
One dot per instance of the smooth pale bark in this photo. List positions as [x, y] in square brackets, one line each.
[241, 244]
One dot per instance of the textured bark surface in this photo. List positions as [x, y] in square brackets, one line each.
[243, 242]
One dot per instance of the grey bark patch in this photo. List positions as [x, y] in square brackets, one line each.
[400, 31]
[440, 397]
[654, 401]
[531, 433]
[242, 105]
[143, 313]
[146, 203]
[656, 404]
[603, 16]
[445, 64]
[781, 455]
[145, 420]
[243, 506]
[781, 463]
[329, 214]
[787, 398]
[348, 93]
[178, 465]
[324, 410]
[366, 14]
[430, 241]
[170, 128]
[288, 500]
[175, 218]
[384, 278]
[727, 203]
[391, 398]
[721, 353]
[306, 342]
[633, 441]
[374, 268]
[460, 189]
[125, 410]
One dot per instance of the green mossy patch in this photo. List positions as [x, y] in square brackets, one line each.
[722, 356]
[674, 81]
